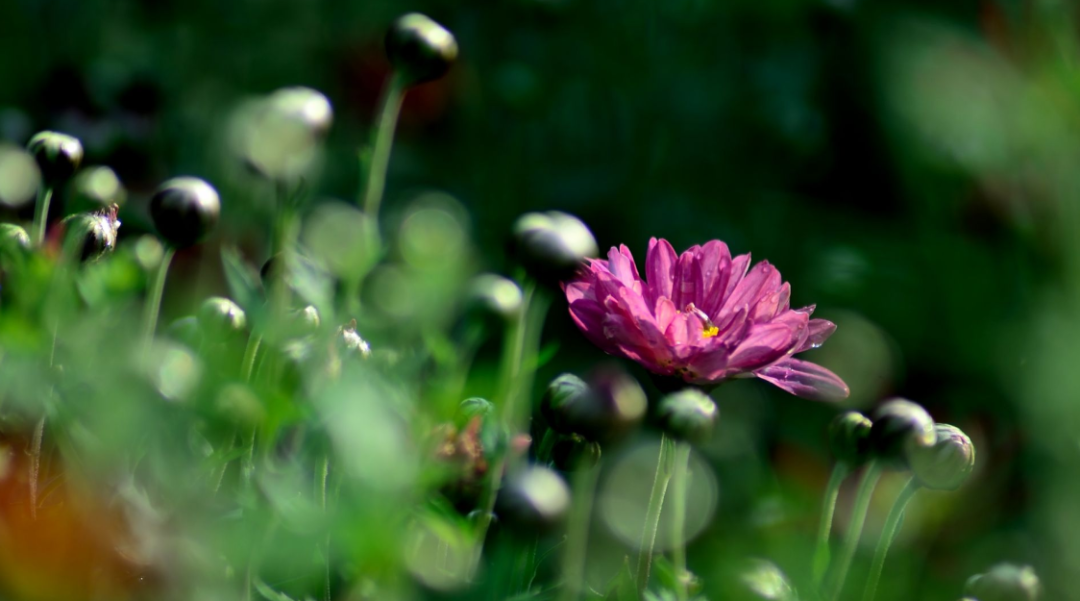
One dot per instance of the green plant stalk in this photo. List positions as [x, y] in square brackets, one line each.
[577, 538]
[855, 527]
[888, 533]
[153, 300]
[324, 476]
[35, 465]
[41, 215]
[652, 514]
[828, 509]
[382, 141]
[680, 481]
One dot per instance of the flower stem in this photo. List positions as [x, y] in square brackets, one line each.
[382, 140]
[153, 301]
[858, 518]
[652, 514]
[680, 484]
[888, 533]
[828, 509]
[41, 214]
[577, 538]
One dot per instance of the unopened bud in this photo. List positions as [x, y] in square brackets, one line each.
[1005, 582]
[571, 453]
[899, 427]
[849, 437]
[57, 155]
[495, 295]
[760, 580]
[185, 210]
[220, 317]
[552, 245]
[688, 415]
[13, 238]
[91, 235]
[419, 48]
[946, 464]
[533, 500]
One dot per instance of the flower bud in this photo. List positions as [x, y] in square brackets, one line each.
[185, 330]
[303, 105]
[552, 245]
[571, 453]
[760, 580]
[946, 464]
[220, 318]
[351, 342]
[57, 155]
[307, 320]
[688, 415]
[420, 49]
[185, 210]
[475, 407]
[562, 394]
[533, 500]
[494, 295]
[849, 437]
[900, 426]
[91, 235]
[1005, 582]
[97, 187]
[13, 238]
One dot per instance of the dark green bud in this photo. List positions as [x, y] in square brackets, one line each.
[13, 238]
[849, 437]
[947, 464]
[90, 236]
[185, 210]
[96, 188]
[185, 330]
[1005, 582]
[553, 245]
[494, 295]
[475, 407]
[900, 426]
[420, 49]
[688, 415]
[562, 394]
[57, 155]
[571, 453]
[220, 317]
[533, 500]
[760, 580]
[613, 405]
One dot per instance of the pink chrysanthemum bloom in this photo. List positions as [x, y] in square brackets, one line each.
[703, 317]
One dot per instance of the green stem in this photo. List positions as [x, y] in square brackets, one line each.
[858, 518]
[680, 483]
[153, 301]
[35, 465]
[828, 509]
[381, 142]
[888, 533]
[324, 476]
[577, 538]
[41, 215]
[250, 352]
[652, 514]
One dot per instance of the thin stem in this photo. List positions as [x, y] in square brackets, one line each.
[41, 214]
[35, 465]
[858, 518]
[324, 476]
[250, 352]
[577, 541]
[828, 509]
[153, 300]
[888, 533]
[652, 514]
[382, 140]
[680, 484]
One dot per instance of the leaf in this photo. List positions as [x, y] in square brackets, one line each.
[311, 282]
[623, 587]
[268, 593]
[244, 283]
[547, 354]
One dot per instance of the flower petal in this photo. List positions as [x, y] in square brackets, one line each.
[805, 379]
[659, 268]
[589, 317]
[621, 265]
[684, 289]
[769, 342]
[711, 271]
[818, 331]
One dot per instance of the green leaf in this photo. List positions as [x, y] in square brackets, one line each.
[268, 593]
[623, 587]
[244, 283]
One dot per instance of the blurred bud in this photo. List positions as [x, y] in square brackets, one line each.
[351, 342]
[185, 330]
[571, 453]
[220, 318]
[899, 427]
[13, 238]
[307, 320]
[849, 437]
[1005, 582]
[19, 176]
[688, 415]
[91, 235]
[533, 500]
[562, 394]
[240, 404]
[97, 187]
[173, 370]
[475, 407]
[495, 295]
[148, 252]
[304, 105]
[946, 464]
[185, 210]
[552, 245]
[419, 48]
[761, 580]
[57, 155]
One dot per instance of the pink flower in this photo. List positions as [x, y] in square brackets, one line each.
[702, 316]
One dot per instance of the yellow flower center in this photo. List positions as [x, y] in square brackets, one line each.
[708, 328]
[710, 331]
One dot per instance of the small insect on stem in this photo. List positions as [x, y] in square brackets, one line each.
[708, 328]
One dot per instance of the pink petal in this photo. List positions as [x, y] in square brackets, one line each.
[805, 379]
[710, 269]
[589, 316]
[685, 290]
[769, 342]
[579, 290]
[665, 312]
[622, 267]
[732, 276]
[818, 331]
[659, 267]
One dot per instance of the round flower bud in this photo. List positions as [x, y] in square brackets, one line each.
[759, 580]
[475, 407]
[899, 426]
[303, 105]
[552, 245]
[97, 187]
[185, 210]
[533, 500]
[688, 415]
[849, 437]
[562, 396]
[1005, 582]
[420, 49]
[946, 464]
[57, 155]
[571, 453]
[220, 317]
[185, 330]
[13, 238]
[91, 235]
[494, 295]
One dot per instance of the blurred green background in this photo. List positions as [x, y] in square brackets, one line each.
[911, 167]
